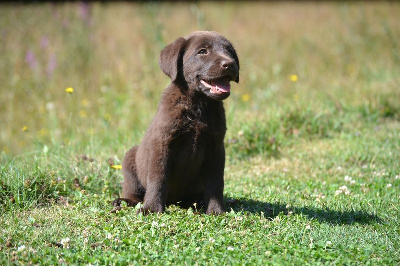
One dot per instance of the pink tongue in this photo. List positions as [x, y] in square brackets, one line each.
[222, 85]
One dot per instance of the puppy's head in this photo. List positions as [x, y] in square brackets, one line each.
[205, 61]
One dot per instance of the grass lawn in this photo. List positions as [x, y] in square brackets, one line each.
[313, 143]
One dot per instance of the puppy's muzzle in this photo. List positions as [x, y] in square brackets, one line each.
[229, 69]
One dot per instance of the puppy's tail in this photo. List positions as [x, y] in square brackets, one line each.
[130, 202]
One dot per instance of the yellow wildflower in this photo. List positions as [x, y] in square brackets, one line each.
[350, 69]
[82, 113]
[116, 166]
[107, 117]
[69, 90]
[24, 128]
[245, 97]
[85, 103]
[293, 78]
[43, 132]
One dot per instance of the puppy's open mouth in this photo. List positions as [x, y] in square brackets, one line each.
[217, 86]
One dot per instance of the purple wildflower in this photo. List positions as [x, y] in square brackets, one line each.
[51, 65]
[84, 10]
[30, 59]
[44, 43]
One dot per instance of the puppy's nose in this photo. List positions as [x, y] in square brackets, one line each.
[226, 64]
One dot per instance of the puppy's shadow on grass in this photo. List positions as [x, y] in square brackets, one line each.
[324, 215]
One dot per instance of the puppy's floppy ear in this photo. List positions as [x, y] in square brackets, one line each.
[171, 58]
[236, 58]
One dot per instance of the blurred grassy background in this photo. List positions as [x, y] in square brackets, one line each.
[313, 141]
[346, 58]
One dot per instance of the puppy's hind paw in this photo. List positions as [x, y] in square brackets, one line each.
[117, 204]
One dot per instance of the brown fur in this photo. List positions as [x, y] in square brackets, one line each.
[182, 155]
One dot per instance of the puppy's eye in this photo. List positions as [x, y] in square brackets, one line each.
[202, 51]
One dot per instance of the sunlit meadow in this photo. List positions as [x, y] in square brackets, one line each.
[313, 141]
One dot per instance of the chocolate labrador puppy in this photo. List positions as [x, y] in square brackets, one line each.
[182, 157]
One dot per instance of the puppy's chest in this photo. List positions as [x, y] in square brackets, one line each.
[200, 131]
[204, 122]
[189, 151]
[200, 134]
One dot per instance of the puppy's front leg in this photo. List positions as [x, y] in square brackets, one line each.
[155, 197]
[156, 189]
[213, 172]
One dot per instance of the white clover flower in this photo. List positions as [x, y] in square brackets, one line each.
[50, 106]
[197, 249]
[308, 227]
[154, 223]
[318, 197]
[109, 236]
[342, 189]
[65, 242]
[347, 178]
[230, 248]
[328, 243]
[32, 250]
[338, 192]
[311, 245]
[389, 185]
[212, 240]
[85, 233]
[21, 248]
[397, 177]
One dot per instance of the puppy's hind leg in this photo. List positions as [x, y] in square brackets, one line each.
[131, 187]
[132, 190]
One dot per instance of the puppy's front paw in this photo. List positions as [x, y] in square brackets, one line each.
[215, 212]
[143, 211]
[215, 208]
[150, 209]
